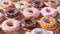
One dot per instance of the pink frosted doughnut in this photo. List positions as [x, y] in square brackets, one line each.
[48, 11]
[10, 25]
[31, 12]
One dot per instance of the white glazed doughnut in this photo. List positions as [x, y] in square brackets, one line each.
[21, 5]
[31, 12]
[48, 11]
[40, 31]
[10, 25]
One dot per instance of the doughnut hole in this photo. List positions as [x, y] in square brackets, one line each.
[30, 11]
[37, 2]
[28, 21]
[47, 10]
[40, 32]
[47, 21]
[53, 2]
[6, 3]
[10, 24]
[10, 12]
[21, 4]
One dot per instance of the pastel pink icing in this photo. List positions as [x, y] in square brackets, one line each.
[35, 13]
[53, 12]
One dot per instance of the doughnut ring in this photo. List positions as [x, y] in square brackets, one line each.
[10, 25]
[38, 4]
[29, 23]
[31, 12]
[48, 23]
[48, 11]
[12, 13]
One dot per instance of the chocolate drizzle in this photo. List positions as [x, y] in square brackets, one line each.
[11, 13]
[38, 4]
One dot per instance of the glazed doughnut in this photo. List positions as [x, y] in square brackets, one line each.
[58, 18]
[40, 31]
[48, 23]
[31, 12]
[48, 11]
[21, 5]
[7, 5]
[12, 13]
[38, 4]
[58, 9]
[29, 23]
[10, 25]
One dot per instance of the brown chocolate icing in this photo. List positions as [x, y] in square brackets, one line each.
[11, 13]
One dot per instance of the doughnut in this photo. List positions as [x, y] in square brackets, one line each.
[53, 3]
[39, 31]
[29, 23]
[12, 13]
[5, 4]
[58, 18]
[21, 5]
[58, 9]
[10, 25]
[48, 23]
[48, 11]
[38, 4]
[31, 12]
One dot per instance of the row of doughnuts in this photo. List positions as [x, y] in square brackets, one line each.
[29, 10]
[29, 23]
[24, 4]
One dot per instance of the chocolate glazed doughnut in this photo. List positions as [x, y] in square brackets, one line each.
[38, 4]
[29, 23]
[12, 13]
